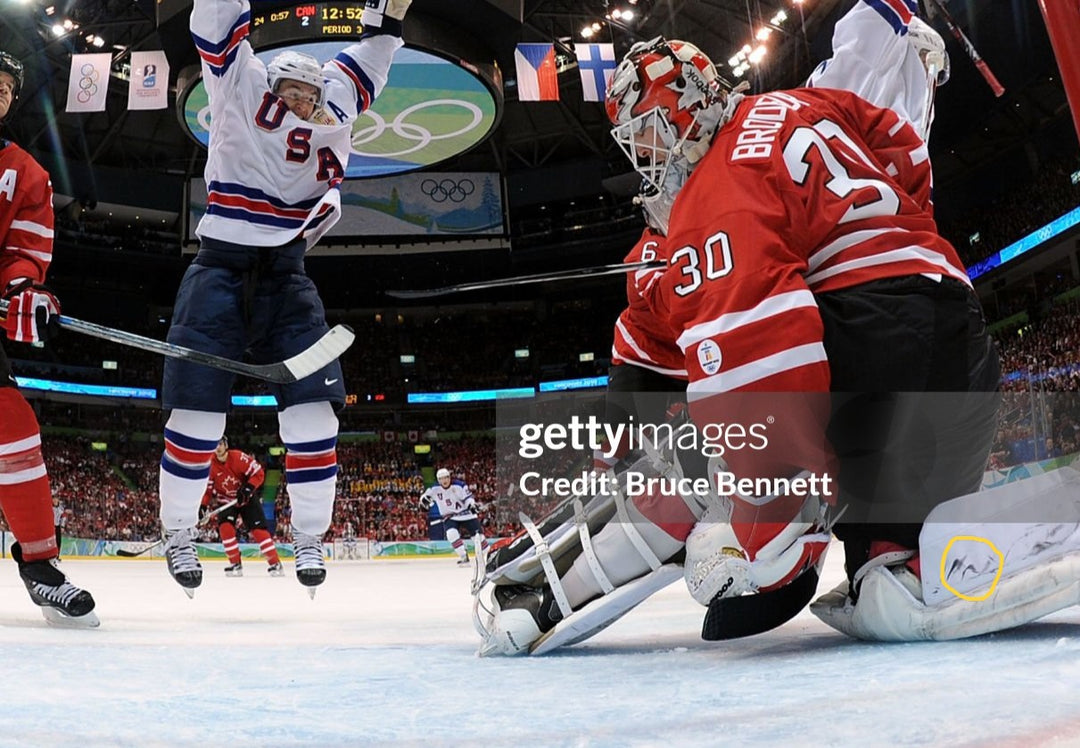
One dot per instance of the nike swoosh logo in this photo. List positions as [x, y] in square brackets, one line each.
[329, 382]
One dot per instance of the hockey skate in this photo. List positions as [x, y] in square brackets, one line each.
[521, 616]
[276, 570]
[61, 602]
[234, 570]
[183, 560]
[464, 560]
[310, 566]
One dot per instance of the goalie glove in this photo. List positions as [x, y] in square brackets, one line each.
[33, 314]
[727, 556]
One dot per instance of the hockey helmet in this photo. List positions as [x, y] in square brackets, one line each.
[665, 100]
[297, 66]
[14, 68]
[442, 473]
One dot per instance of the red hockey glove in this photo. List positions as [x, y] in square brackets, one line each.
[33, 314]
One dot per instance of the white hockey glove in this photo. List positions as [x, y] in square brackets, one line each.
[931, 48]
[375, 11]
[723, 560]
[425, 503]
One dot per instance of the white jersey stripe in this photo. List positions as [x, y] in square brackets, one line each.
[46, 256]
[22, 476]
[770, 307]
[904, 254]
[31, 227]
[21, 445]
[755, 371]
[847, 241]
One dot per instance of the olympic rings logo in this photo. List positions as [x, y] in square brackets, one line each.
[419, 136]
[447, 189]
[88, 88]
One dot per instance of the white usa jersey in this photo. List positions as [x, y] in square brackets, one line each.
[455, 501]
[272, 177]
[873, 57]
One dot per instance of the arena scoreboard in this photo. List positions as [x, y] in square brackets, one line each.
[305, 22]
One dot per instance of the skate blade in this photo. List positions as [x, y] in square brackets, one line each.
[60, 619]
[311, 592]
[189, 592]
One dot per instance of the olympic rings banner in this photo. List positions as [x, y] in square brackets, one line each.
[424, 204]
[430, 110]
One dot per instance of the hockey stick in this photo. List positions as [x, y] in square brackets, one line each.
[329, 347]
[522, 280]
[124, 552]
[969, 48]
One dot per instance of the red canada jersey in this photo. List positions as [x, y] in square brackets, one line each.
[227, 477]
[26, 216]
[802, 192]
[641, 338]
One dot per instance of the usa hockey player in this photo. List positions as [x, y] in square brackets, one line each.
[26, 244]
[456, 505]
[279, 143]
[236, 476]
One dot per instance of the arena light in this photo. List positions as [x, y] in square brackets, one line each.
[763, 34]
[779, 18]
[758, 54]
[587, 32]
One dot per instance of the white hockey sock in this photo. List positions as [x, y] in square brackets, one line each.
[190, 439]
[309, 432]
[454, 536]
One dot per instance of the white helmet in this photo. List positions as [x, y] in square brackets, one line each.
[297, 66]
[442, 473]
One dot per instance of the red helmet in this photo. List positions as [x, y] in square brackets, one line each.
[659, 91]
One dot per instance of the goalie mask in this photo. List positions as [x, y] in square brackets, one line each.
[666, 102]
[297, 66]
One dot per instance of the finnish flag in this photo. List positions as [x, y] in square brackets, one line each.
[596, 63]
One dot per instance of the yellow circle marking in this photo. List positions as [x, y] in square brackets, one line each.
[1001, 567]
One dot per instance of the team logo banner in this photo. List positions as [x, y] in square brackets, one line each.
[88, 84]
[149, 86]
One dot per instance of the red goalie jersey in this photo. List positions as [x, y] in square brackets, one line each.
[803, 192]
[26, 216]
[640, 337]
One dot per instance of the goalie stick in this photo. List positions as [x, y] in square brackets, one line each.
[327, 348]
[125, 553]
[969, 48]
[521, 280]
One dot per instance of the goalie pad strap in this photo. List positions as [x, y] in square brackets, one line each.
[590, 552]
[633, 535]
[544, 555]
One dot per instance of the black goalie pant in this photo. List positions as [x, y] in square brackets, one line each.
[915, 377]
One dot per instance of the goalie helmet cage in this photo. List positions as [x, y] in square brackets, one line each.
[1062, 19]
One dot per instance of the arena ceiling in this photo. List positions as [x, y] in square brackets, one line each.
[972, 125]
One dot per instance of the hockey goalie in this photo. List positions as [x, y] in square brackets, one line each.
[808, 263]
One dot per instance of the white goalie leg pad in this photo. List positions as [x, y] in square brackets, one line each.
[604, 611]
[978, 576]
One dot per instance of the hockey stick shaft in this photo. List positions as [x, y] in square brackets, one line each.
[202, 521]
[304, 364]
[521, 280]
[969, 48]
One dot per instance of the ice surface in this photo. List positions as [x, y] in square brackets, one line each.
[385, 653]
